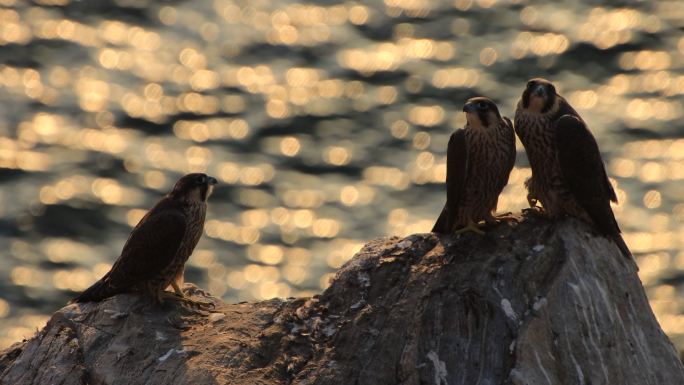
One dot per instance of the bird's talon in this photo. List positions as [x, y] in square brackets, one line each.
[506, 217]
[186, 302]
[471, 226]
[198, 305]
[204, 305]
[535, 211]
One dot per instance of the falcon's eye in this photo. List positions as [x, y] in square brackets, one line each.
[482, 105]
[201, 179]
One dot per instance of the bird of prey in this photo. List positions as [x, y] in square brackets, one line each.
[480, 158]
[155, 253]
[568, 175]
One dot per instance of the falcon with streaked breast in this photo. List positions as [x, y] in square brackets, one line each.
[155, 253]
[568, 175]
[480, 158]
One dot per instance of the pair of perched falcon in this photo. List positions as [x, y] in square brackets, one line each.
[568, 175]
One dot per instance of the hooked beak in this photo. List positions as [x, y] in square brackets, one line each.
[539, 91]
[211, 181]
[469, 108]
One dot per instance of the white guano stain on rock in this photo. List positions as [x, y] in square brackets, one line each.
[166, 356]
[541, 302]
[583, 303]
[440, 368]
[578, 369]
[364, 279]
[508, 309]
[359, 304]
[516, 376]
[169, 353]
[405, 244]
[607, 303]
[541, 367]
[214, 317]
[329, 330]
[116, 314]
[538, 248]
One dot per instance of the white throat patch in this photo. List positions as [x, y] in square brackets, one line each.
[536, 103]
[195, 195]
[473, 120]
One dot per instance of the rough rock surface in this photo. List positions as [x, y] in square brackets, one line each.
[532, 303]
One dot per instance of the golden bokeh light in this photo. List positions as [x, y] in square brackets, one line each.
[318, 120]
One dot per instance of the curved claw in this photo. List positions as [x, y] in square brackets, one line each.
[532, 201]
[471, 226]
[185, 299]
[186, 302]
[201, 305]
[506, 217]
[536, 211]
[195, 304]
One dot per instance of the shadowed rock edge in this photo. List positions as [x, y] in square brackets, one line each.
[533, 303]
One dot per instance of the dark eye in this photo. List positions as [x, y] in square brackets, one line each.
[530, 84]
[201, 179]
[482, 105]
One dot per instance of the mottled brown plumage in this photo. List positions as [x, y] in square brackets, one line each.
[480, 158]
[155, 253]
[568, 175]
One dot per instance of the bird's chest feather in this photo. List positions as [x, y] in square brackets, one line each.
[536, 135]
[547, 183]
[483, 166]
[484, 155]
[195, 214]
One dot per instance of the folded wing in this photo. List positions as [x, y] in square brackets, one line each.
[585, 175]
[457, 163]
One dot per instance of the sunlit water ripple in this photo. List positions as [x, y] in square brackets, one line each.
[326, 124]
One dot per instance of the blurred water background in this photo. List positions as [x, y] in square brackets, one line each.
[325, 122]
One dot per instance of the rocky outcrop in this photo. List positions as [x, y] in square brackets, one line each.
[529, 303]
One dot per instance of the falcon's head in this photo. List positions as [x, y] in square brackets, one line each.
[539, 96]
[481, 112]
[193, 187]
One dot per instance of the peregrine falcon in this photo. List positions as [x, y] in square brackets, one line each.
[568, 175]
[480, 158]
[155, 253]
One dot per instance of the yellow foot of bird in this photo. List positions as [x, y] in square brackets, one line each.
[536, 211]
[505, 217]
[201, 305]
[471, 226]
[186, 301]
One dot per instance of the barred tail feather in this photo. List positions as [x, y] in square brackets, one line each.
[99, 291]
[442, 224]
[617, 238]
